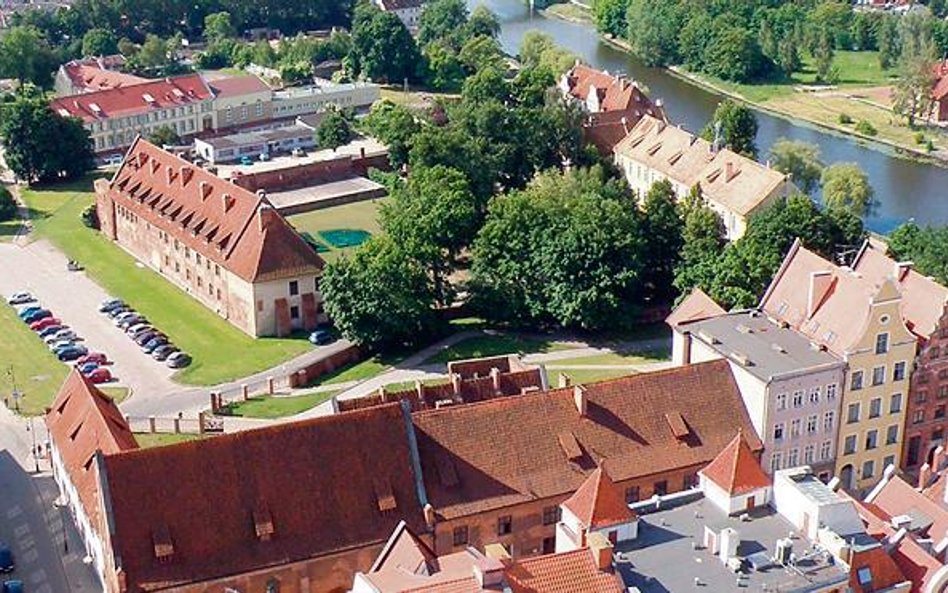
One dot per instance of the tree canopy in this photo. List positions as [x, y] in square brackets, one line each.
[737, 125]
[846, 187]
[800, 160]
[382, 48]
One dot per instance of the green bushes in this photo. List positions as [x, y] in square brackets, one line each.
[7, 205]
[845, 119]
[865, 128]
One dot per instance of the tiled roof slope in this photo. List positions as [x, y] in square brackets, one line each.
[739, 183]
[923, 299]
[598, 502]
[131, 100]
[94, 74]
[736, 469]
[81, 421]
[566, 572]
[696, 306]
[511, 450]
[896, 497]
[839, 316]
[225, 223]
[236, 86]
[616, 93]
[317, 487]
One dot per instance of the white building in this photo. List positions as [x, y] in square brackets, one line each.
[408, 11]
[295, 101]
[598, 506]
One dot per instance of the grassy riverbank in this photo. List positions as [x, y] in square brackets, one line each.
[862, 94]
[568, 12]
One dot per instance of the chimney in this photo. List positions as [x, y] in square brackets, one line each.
[205, 189]
[820, 283]
[729, 171]
[227, 201]
[938, 459]
[601, 549]
[495, 379]
[562, 380]
[581, 400]
[924, 476]
[686, 347]
[456, 383]
[420, 390]
[383, 394]
[489, 573]
[902, 269]
[429, 516]
[266, 215]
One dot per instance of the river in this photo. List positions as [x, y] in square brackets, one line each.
[904, 189]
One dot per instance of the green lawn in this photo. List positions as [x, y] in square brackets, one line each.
[587, 375]
[220, 351]
[37, 372]
[147, 440]
[276, 407]
[609, 359]
[118, 394]
[358, 215]
[495, 345]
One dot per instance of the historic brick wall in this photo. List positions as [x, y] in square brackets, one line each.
[308, 374]
[309, 174]
[925, 418]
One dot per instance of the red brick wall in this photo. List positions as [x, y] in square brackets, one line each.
[308, 174]
[528, 528]
[927, 400]
[308, 374]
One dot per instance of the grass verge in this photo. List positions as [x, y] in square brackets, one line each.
[276, 407]
[495, 345]
[38, 374]
[221, 352]
[588, 375]
[146, 440]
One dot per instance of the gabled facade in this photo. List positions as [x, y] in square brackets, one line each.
[226, 247]
[734, 186]
[597, 507]
[861, 322]
[925, 310]
[734, 481]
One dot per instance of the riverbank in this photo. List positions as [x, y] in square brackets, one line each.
[572, 12]
[823, 110]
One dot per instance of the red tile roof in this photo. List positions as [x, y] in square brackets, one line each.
[317, 487]
[882, 569]
[616, 93]
[566, 572]
[81, 421]
[94, 74]
[736, 469]
[225, 223]
[236, 86]
[599, 502]
[897, 497]
[695, 307]
[923, 299]
[508, 451]
[131, 100]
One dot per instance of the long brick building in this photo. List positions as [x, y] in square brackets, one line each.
[300, 507]
[223, 245]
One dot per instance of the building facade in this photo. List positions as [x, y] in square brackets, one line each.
[116, 116]
[293, 102]
[241, 101]
[792, 391]
[263, 144]
[731, 184]
[861, 322]
[407, 11]
[226, 247]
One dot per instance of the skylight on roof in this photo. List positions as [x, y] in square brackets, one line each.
[95, 107]
[865, 575]
[148, 98]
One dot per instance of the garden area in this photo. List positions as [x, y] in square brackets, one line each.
[220, 351]
[276, 406]
[340, 229]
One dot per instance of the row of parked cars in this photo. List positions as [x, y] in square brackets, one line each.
[151, 340]
[61, 339]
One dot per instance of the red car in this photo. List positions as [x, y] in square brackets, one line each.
[44, 323]
[100, 375]
[96, 357]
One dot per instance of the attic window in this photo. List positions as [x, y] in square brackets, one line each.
[164, 547]
[62, 406]
[75, 432]
[677, 425]
[674, 158]
[447, 473]
[865, 576]
[570, 446]
[384, 496]
[263, 524]
[88, 464]
[651, 151]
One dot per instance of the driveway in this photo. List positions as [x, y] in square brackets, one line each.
[41, 269]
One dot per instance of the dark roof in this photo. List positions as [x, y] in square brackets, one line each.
[507, 451]
[240, 502]
[223, 222]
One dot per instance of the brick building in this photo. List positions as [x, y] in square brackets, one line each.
[496, 471]
[923, 307]
[613, 104]
[89, 75]
[225, 246]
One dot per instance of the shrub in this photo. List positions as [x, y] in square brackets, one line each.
[919, 138]
[866, 128]
[7, 205]
[929, 145]
[845, 119]
[90, 217]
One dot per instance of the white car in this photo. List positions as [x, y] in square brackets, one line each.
[20, 298]
[123, 316]
[62, 335]
[136, 329]
[57, 344]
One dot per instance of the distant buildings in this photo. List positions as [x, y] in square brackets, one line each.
[613, 104]
[408, 11]
[223, 245]
[254, 145]
[90, 75]
[734, 186]
[792, 391]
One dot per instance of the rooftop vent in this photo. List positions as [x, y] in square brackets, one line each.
[744, 329]
[704, 335]
[384, 496]
[570, 445]
[148, 98]
[778, 348]
[677, 424]
[743, 359]
[163, 546]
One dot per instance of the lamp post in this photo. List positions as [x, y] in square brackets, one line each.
[60, 503]
[16, 392]
[29, 429]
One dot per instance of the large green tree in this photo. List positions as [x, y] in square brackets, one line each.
[99, 42]
[662, 229]
[846, 187]
[442, 19]
[382, 48]
[334, 130]
[26, 55]
[219, 26]
[653, 31]
[926, 248]
[394, 125]
[703, 241]
[737, 126]
[379, 297]
[7, 205]
[800, 160]
[41, 145]
[567, 250]
[610, 16]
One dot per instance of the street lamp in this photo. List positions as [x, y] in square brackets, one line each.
[60, 503]
[29, 429]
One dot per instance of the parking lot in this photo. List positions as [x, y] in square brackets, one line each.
[72, 297]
